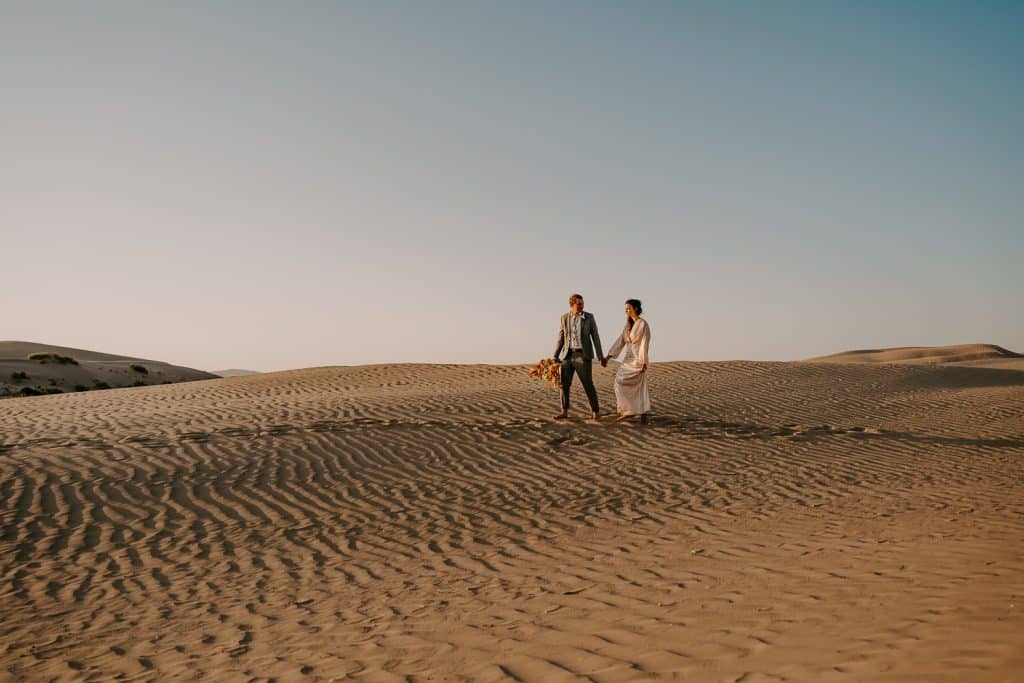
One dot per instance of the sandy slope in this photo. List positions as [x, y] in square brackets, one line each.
[92, 367]
[777, 521]
[235, 372]
[960, 353]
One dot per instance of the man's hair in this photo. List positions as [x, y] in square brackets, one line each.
[573, 298]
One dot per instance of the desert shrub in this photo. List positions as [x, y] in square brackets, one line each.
[98, 384]
[81, 387]
[139, 383]
[140, 368]
[30, 391]
[43, 357]
[18, 376]
[52, 390]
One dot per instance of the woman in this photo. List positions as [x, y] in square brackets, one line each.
[631, 378]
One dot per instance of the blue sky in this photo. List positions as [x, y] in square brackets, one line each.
[255, 185]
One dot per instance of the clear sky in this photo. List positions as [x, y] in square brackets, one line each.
[277, 185]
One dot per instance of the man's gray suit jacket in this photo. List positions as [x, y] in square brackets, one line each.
[588, 337]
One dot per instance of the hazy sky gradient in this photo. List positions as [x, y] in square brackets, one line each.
[269, 186]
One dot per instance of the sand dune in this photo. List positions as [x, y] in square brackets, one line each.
[962, 353]
[776, 521]
[235, 372]
[90, 370]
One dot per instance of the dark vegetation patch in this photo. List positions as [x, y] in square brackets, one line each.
[42, 357]
[39, 391]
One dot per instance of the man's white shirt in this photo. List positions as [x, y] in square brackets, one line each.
[575, 340]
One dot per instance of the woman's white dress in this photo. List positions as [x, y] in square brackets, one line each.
[631, 379]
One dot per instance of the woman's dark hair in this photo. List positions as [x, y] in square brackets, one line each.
[635, 303]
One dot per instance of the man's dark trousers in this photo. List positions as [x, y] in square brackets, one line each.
[576, 363]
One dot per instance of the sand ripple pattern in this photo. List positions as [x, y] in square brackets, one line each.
[776, 521]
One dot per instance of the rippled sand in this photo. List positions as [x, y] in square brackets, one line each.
[776, 521]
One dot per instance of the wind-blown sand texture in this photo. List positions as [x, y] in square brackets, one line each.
[92, 367]
[776, 521]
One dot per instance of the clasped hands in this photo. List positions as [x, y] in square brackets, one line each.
[604, 362]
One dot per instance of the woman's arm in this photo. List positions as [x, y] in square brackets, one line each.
[616, 348]
[644, 345]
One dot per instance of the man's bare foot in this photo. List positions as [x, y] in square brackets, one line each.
[562, 415]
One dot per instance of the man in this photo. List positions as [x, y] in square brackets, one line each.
[578, 336]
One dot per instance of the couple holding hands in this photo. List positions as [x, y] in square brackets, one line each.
[579, 338]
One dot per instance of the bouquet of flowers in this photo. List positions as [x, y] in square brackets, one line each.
[549, 371]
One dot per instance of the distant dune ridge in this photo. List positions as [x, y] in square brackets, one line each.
[776, 521]
[89, 370]
[963, 353]
[235, 372]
